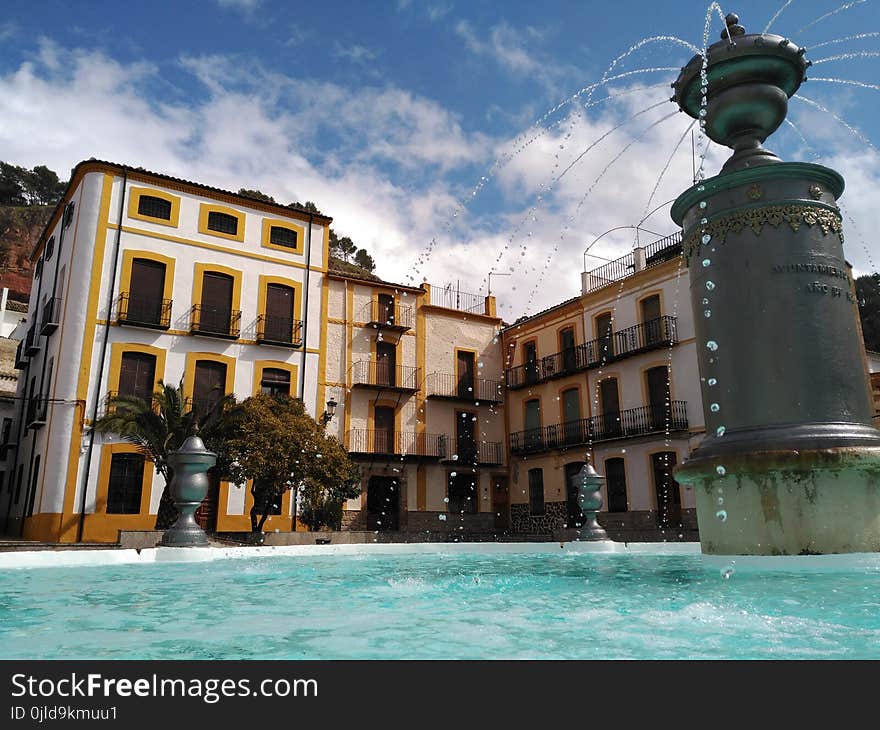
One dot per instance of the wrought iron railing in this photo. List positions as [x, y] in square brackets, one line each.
[382, 374]
[143, 311]
[32, 341]
[663, 249]
[396, 316]
[215, 322]
[451, 297]
[36, 412]
[395, 443]
[275, 330]
[51, 316]
[443, 385]
[654, 333]
[628, 423]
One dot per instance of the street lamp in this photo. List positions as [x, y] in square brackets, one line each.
[328, 414]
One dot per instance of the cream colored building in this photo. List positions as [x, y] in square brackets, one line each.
[416, 373]
[141, 278]
[611, 374]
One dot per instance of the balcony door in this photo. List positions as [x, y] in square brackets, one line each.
[657, 380]
[137, 375]
[533, 425]
[530, 358]
[146, 292]
[605, 341]
[384, 430]
[216, 305]
[279, 313]
[465, 437]
[650, 307]
[667, 490]
[386, 364]
[465, 371]
[386, 309]
[501, 502]
[566, 347]
[209, 386]
[572, 426]
[615, 480]
[610, 402]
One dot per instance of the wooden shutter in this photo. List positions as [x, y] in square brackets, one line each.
[216, 302]
[279, 313]
[137, 375]
[209, 384]
[147, 291]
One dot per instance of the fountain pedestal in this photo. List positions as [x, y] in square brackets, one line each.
[790, 463]
[188, 488]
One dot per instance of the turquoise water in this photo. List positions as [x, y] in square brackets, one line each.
[566, 606]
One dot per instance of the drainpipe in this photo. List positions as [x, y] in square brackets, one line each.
[85, 482]
[305, 332]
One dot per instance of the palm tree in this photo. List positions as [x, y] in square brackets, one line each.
[160, 426]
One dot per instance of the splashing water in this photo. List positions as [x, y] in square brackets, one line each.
[848, 82]
[856, 37]
[861, 137]
[778, 13]
[843, 56]
[841, 9]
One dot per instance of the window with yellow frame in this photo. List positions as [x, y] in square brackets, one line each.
[154, 206]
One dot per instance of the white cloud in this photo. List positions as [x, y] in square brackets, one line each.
[244, 5]
[355, 53]
[387, 164]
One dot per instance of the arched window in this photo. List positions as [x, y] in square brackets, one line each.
[275, 382]
[153, 207]
[222, 223]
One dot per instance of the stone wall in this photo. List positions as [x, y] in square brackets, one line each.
[554, 517]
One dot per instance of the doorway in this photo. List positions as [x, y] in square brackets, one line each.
[501, 502]
[383, 504]
[608, 397]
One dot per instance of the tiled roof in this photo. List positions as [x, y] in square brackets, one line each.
[14, 306]
[531, 317]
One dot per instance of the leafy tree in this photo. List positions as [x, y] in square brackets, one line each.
[347, 247]
[12, 179]
[279, 447]
[868, 294]
[364, 260]
[160, 426]
[256, 195]
[44, 187]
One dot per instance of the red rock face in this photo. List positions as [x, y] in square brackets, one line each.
[20, 228]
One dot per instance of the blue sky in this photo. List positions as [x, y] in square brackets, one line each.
[401, 118]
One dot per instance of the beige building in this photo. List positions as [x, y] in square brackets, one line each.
[611, 374]
[416, 374]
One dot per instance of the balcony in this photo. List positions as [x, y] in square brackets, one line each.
[32, 341]
[449, 387]
[51, 316]
[388, 317]
[373, 374]
[212, 322]
[630, 423]
[366, 443]
[483, 453]
[279, 331]
[143, 311]
[663, 249]
[35, 416]
[650, 335]
[21, 358]
[452, 297]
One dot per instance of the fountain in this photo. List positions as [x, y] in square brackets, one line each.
[790, 463]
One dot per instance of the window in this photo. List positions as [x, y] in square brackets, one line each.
[275, 382]
[19, 482]
[657, 380]
[214, 315]
[68, 214]
[609, 421]
[566, 346]
[6, 432]
[536, 491]
[126, 484]
[137, 375]
[276, 324]
[153, 207]
[222, 223]
[38, 269]
[209, 386]
[605, 340]
[530, 357]
[35, 480]
[651, 321]
[465, 368]
[463, 493]
[50, 248]
[286, 237]
[144, 303]
[383, 422]
[615, 476]
[571, 417]
[533, 424]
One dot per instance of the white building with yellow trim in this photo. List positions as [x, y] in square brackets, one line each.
[141, 277]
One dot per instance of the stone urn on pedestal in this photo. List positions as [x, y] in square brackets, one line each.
[590, 501]
[188, 488]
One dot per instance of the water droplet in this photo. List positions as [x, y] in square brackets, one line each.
[721, 471]
[705, 300]
[702, 204]
[710, 285]
[712, 345]
[707, 313]
[702, 112]
[704, 221]
[706, 262]
[453, 473]
[706, 238]
[701, 188]
[441, 517]
[455, 457]
[722, 515]
[712, 381]
[720, 431]
[446, 499]
[714, 408]
[727, 572]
